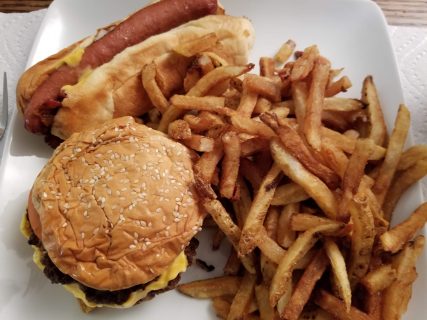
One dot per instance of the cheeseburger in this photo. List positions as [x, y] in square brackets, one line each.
[112, 214]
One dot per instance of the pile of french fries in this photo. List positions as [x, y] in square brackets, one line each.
[302, 183]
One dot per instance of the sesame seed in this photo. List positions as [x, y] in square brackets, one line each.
[64, 224]
[132, 246]
[44, 195]
[82, 235]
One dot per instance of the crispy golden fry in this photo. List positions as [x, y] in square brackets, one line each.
[247, 102]
[262, 105]
[286, 297]
[231, 230]
[362, 239]
[279, 112]
[194, 46]
[266, 67]
[268, 268]
[252, 146]
[396, 296]
[311, 184]
[305, 221]
[401, 183]
[339, 270]
[374, 305]
[258, 210]
[352, 134]
[250, 126]
[179, 130]
[271, 222]
[289, 193]
[285, 235]
[221, 307]
[304, 64]
[204, 121]
[210, 288]
[232, 266]
[314, 107]
[199, 143]
[394, 239]
[150, 85]
[285, 51]
[305, 286]
[265, 310]
[205, 166]
[296, 146]
[208, 103]
[243, 297]
[341, 85]
[192, 76]
[411, 156]
[337, 308]
[354, 174]
[378, 128]
[296, 251]
[242, 207]
[251, 173]
[392, 156]
[263, 86]
[379, 279]
[230, 165]
[269, 247]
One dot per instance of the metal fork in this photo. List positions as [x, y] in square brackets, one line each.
[4, 107]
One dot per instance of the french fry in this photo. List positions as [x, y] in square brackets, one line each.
[258, 210]
[253, 145]
[374, 305]
[232, 266]
[250, 126]
[296, 146]
[199, 143]
[342, 104]
[269, 247]
[341, 85]
[286, 297]
[339, 271]
[392, 156]
[362, 239]
[262, 105]
[311, 184]
[304, 64]
[179, 130]
[378, 128]
[285, 51]
[204, 121]
[304, 222]
[251, 172]
[348, 144]
[401, 183]
[394, 239]
[208, 103]
[242, 207]
[263, 86]
[242, 299]
[285, 235]
[314, 107]
[192, 76]
[266, 67]
[205, 166]
[305, 286]
[271, 222]
[194, 46]
[397, 295]
[268, 268]
[411, 156]
[248, 101]
[296, 251]
[152, 88]
[353, 175]
[221, 307]
[379, 279]
[337, 308]
[204, 63]
[265, 310]
[210, 288]
[231, 230]
[230, 165]
[289, 193]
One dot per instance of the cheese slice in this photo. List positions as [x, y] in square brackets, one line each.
[175, 268]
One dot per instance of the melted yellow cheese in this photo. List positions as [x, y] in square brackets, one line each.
[73, 58]
[176, 267]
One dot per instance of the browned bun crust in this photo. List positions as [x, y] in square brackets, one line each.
[116, 204]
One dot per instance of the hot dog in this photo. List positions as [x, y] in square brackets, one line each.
[50, 94]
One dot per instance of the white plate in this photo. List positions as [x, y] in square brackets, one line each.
[352, 33]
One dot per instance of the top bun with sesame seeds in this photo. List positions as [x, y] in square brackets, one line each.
[115, 206]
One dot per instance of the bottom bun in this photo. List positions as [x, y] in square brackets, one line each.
[90, 298]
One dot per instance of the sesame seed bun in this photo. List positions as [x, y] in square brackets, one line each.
[116, 205]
